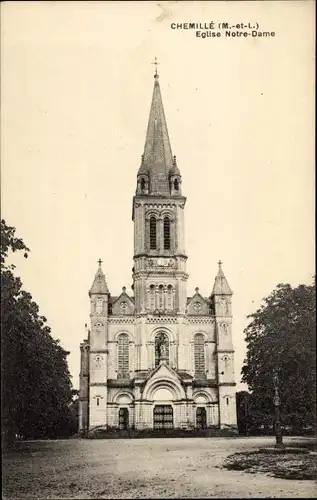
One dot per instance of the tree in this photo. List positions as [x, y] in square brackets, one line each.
[36, 385]
[281, 338]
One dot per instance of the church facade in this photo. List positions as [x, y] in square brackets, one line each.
[158, 358]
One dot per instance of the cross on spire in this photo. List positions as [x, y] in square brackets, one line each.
[220, 263]
[156, 64]
[99, 262]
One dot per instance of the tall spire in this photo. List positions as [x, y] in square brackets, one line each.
[221, 286]
[157, 158]
[99, 285]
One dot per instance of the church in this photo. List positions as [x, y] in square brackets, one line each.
[157, 358]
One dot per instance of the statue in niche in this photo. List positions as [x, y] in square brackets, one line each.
[163, 350]
[161, 346]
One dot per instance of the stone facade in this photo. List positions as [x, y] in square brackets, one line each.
[158, 358]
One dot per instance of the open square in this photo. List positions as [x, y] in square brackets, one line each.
[140, 468]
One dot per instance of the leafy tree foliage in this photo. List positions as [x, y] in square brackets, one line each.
[251, 419]
[281, 337]
[36, 384]
[243, 418]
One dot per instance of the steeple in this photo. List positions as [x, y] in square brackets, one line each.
[159, 271]
[99, 286]
[157, 159]
[221, 286]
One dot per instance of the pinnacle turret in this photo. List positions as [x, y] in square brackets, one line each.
[99, 286]
[221, 286]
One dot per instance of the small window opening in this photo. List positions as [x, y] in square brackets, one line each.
[176, 184]
[142, 183]
[97, 401]
[227, 401]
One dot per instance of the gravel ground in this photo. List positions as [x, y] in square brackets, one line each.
[140, 468]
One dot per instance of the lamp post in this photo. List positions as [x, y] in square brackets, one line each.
[277, 402]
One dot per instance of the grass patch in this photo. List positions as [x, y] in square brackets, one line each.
[283, 465]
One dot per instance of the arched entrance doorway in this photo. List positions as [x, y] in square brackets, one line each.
[123, 418]
[201, 418]
[163, 409]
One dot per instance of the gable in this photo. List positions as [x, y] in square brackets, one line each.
[123, 305]
[198, 306]
[163, 371]
[163, 380]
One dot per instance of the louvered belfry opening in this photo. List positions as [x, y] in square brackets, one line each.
[167, 233]
[152, 233]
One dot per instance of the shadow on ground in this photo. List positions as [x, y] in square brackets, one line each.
[287, 464]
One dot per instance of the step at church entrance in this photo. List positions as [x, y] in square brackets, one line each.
[163, 417]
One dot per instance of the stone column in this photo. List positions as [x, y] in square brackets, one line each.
[159, 236]
[157, 297]
[173, 236]
[172, 354]
[146, 235]
[151, 354]
[165, 301]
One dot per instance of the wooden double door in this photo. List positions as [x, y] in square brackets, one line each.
[201, 418]
[163, 417]
[123, 418]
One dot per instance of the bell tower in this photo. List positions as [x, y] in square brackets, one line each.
[159, 272]
[221, 298]
[98, 353]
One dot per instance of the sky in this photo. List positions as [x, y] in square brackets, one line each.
[77, 81]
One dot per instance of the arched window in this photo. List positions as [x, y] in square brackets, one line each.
[123, 356]
[152, 233]
[161, 297]
[167, 233]
[161, 348]
[142, 183]
[201, 418]
[169, 297]
[152, 298]
[176, 184]
[199, 354]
